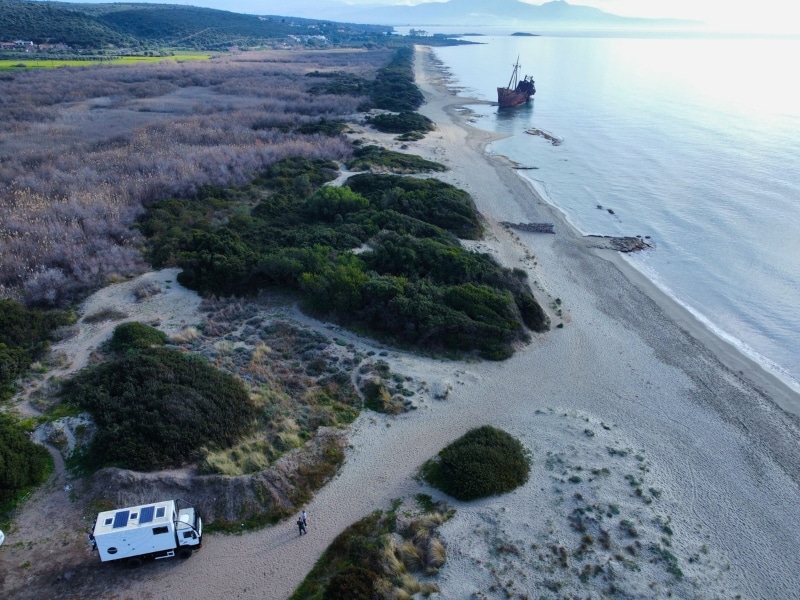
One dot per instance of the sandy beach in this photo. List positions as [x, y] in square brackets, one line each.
[656, 448]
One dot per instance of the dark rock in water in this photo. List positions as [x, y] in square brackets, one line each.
[611, 212]
[620, 244]
[600, 206]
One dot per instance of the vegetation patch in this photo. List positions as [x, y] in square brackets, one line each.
[483, 462]
[404, 122]
[415, 285]
[150, 139]
[23, 464]
[380, 556]
[299, 378]
[136, 336]
[53, 62]
[105, 314]
[25, 336]
[394, 88]
[375, 158]
[158, 408]
[323, 126]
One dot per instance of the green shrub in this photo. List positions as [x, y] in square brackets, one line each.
[24, 338]
[483, 462]
[157, 407]
[23, 464]
[533, 315]
[404, 122]
[322, 127]
[136, 336]
[429, 200]
[415, 285]
[367, 157]
[329, 201]
[353, 583]
[394, 88]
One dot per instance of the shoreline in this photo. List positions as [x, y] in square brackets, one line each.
[778, 390]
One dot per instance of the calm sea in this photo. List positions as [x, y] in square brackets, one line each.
[694, 142]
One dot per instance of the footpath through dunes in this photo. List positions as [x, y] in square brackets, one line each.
[621, 407]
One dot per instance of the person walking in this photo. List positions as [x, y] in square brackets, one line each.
[303, 516]
[301, 526]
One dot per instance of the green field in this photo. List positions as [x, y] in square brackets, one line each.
[47, 63]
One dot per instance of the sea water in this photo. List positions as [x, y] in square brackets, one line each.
[694, 142]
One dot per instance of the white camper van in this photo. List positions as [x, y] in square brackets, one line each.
[159, 530]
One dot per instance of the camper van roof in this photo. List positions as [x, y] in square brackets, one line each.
[133, 516]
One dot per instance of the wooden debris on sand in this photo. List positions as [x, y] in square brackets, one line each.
[532, 227]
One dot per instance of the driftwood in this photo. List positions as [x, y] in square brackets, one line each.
[532, 227]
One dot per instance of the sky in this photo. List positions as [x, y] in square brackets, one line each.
[764, 16]
[760, 15]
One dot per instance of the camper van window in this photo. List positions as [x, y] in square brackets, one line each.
[108, 521]
[157, 530]
[189, 534]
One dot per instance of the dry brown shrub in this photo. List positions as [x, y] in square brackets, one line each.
[85, 149]
[435, 556]
[391, 563]
[410, 555]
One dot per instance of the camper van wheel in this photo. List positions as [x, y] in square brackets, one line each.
[184, 553]
[134, 562]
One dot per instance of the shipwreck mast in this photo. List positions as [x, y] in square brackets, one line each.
[512, 83]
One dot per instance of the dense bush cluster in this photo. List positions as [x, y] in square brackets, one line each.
[379, 159]
[136, 336]
[414, 284]
[404, 122]
[24, 337]
[119, 138]
[159, 408]
[352, 583]
[483, 462]
[23, 464]
[331, 128]
[394, 88]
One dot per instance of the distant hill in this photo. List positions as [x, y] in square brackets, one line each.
[470, 13]
[158, 25]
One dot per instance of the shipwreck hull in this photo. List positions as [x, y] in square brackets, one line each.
[507, 97]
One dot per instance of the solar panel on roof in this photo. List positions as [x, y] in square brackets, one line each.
[146, 514]
[121, 519]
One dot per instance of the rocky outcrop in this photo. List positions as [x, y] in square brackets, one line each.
[620, 244]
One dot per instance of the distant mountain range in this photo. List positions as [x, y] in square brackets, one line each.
[557, 13]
